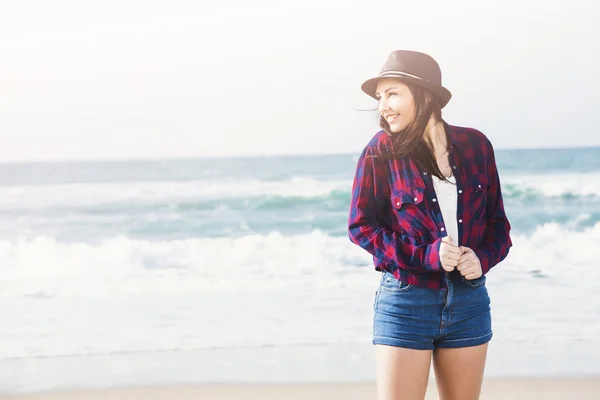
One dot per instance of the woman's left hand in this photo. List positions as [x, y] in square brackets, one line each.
[469, 265]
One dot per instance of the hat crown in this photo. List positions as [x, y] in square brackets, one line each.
[414, 63]
[413, 67]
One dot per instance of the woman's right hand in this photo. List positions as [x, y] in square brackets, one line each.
[449, 254]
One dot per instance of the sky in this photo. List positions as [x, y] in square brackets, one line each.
[154, 79]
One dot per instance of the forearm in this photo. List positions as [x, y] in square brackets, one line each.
[392, 248]
[496, 241]
[495, 245]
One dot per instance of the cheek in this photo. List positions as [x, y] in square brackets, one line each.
[401, 105]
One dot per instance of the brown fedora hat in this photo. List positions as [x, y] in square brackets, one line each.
[413, 67]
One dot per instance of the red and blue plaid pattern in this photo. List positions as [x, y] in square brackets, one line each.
[394, 214]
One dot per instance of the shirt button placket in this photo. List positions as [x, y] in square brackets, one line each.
[460, 219]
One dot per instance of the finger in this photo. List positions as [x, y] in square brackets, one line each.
[465, 258]
[449, 263]
[452, 263]
[447, 268]
[450, 246]
[472, 272]
[449, 240]
[453, 256]
[472, 275]
[454, 249]
[466, 272]
[464, 268]
[449, 249]
[464, 249]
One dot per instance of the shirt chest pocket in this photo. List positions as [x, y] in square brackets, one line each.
[410, 211]
[478, 187]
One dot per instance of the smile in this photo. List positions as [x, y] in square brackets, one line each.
[391, 118]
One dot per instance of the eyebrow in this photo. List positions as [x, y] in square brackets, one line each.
[386, 90]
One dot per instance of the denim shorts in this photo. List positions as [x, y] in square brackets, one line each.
[425, 319]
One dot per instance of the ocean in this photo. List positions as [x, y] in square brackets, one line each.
[242, 264]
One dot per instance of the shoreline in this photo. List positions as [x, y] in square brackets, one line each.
[581, 388]
[289, 365]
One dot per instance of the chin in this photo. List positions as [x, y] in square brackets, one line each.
[395, 128]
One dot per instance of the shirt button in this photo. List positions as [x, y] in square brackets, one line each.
[416, 199]
[424, 173]
[460, 191]
[460, 221]
[454, 167]
[479, 186]
[442, 229]
[398, 204]
[434, 200]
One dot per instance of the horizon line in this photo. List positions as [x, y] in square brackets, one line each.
[248, 156]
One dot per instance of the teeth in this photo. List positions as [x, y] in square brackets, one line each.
[391, 118]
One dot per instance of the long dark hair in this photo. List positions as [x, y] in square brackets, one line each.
[410, 141]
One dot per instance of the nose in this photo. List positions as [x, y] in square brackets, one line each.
[383, 106]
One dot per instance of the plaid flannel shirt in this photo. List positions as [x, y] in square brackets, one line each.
[394, 214]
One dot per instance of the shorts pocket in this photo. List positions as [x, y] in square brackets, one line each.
[375, 299]
[390, 284]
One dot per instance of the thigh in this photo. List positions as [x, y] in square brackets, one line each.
[402, 374]
[459, 371]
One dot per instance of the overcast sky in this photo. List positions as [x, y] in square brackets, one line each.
[137, 79]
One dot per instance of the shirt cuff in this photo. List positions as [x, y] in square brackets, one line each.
[484, 259]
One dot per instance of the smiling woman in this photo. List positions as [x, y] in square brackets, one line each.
[426, 203]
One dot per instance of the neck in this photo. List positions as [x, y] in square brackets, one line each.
[435, 136]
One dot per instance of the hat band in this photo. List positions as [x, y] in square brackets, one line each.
[399, 74]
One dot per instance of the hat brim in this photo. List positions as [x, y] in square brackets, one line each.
[443, 94]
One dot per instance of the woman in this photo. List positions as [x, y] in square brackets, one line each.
[426, 203]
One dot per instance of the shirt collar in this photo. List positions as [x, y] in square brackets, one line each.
[451, 134]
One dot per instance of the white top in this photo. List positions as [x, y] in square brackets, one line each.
[447, 199]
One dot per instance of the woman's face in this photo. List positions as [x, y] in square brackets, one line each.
[396, 103]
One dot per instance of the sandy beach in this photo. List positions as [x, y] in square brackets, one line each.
[493, 389]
